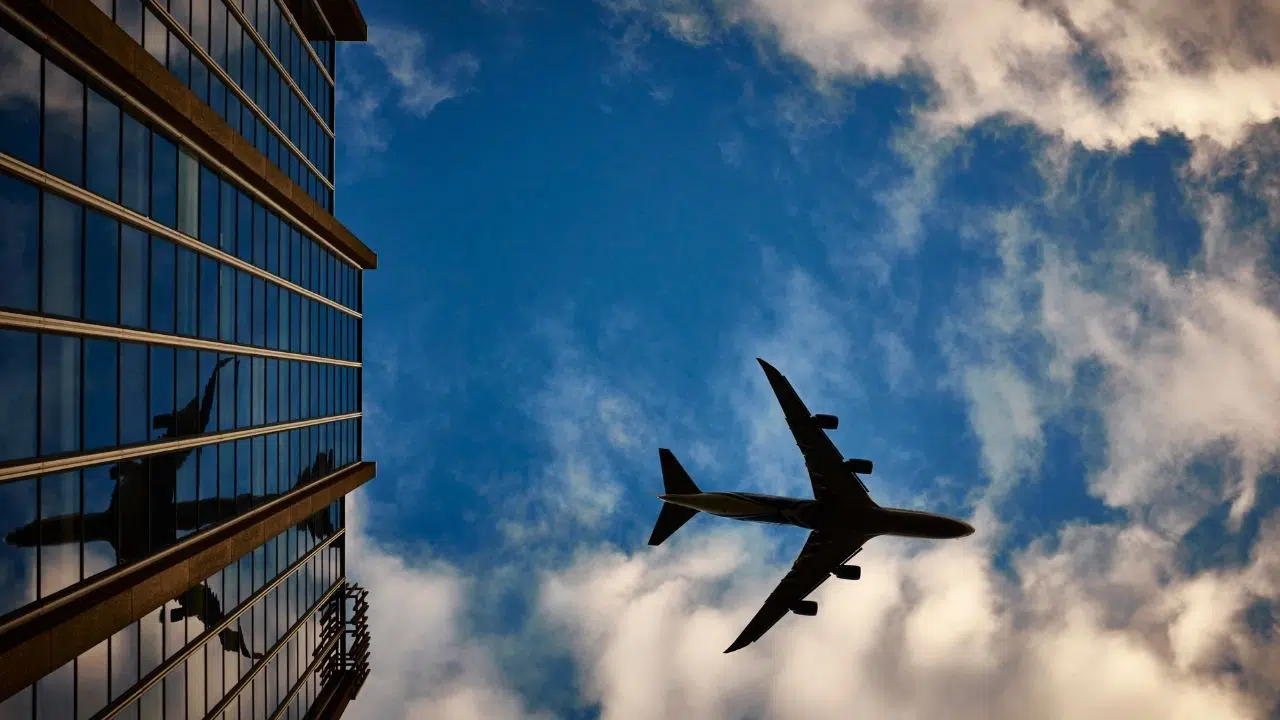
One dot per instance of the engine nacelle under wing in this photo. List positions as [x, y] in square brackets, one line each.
[826, 422]
[808, 608]
[848, 572]
[859, 466]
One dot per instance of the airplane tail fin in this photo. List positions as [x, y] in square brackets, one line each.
[676, 482]
[674, 478]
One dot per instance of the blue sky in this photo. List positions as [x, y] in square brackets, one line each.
[1038, 295]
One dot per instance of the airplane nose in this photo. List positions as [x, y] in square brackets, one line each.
[965, 528]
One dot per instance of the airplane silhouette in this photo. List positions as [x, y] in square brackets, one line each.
[841, 518]
[202, 603]
[143, 513]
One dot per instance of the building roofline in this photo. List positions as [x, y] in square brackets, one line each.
[91, 39]
[345, 18]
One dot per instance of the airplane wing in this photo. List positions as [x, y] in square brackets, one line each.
[830, 478]
[821, 554]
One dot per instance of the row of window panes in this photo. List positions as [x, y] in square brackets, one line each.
[70, 261]
[252, 73]
[67, 527]
[288, 48]
[191, 688]
[239, 225]
[67, 393]
[85, 139]
[281, 105]
[232, 49]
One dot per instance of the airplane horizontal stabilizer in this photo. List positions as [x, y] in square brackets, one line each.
[671, 519]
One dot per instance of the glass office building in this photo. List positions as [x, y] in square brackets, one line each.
[180, 362]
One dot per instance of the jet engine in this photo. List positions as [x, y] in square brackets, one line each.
[826, 422]
[848, 572]
[861, 466]
[808, 608]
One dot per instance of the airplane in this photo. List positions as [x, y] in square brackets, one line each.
[143, 513]
[841, 518]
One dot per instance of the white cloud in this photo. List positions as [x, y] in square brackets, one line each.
[405, 73]
[427, 661]
[1192, 363]
[1099, 72]
[938, 632]
[422, 86]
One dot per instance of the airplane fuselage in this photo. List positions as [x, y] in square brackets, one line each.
[815, 515]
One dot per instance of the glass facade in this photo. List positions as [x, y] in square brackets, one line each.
[246, 60]
[256, 619]
[156, 307]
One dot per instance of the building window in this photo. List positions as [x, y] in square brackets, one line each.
[59, 560]
[188, 194]
[18, 396]
[19, 243]
[102, 258]
[135, 165]
[163, 422]
[103, 147]
[208, 298]
[20, 104]
[133, 393]
[59, 394]
[188, 292]
[164, 181]
[63, 237]
[63, 124]
[162, 285]
[135, 276]
[101, 369]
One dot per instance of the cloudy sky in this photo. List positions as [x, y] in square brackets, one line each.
[1022, 249]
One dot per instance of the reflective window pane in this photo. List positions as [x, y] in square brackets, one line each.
[59, 394]
[91, 681]
[210, 186]
[101, 370]
[134, 276]
[18, 553]
[155, 36]
[63, 234]
[63, 124]
[188, 194]
[226, 303]
[164, 181]
[208, 297]
[55, 694]
[244, 227]
[19, 243]
[59, 532]
[244, 308]
[133, 393]
[187, 287]
[163, 422]
[135, 169]
[20, 109]
[102, 271]
[227, 214]
[102, 521]
[244, 392]
[163, 287]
